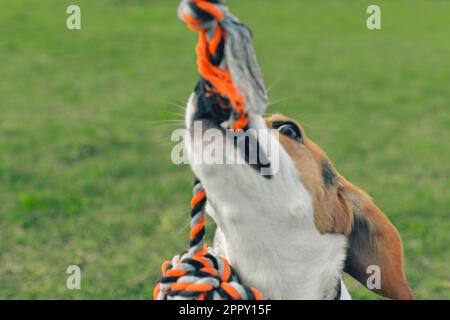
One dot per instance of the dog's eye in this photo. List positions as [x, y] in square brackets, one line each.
[289, 129]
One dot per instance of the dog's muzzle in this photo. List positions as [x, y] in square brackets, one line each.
[211, 105]
[219, 113]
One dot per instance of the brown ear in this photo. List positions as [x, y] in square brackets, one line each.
[374, 241]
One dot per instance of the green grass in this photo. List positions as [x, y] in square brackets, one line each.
[85, 171]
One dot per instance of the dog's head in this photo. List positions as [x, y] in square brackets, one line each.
[307, 181]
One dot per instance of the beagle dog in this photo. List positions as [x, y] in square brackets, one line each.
[292, 236]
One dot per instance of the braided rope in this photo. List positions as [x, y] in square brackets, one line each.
[199, 274]
[226, 60]
[226, 57]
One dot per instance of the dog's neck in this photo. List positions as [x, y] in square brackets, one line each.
[276, 248]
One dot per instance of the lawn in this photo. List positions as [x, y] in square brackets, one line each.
[86, 117]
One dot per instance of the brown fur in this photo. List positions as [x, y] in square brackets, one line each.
[340, 207]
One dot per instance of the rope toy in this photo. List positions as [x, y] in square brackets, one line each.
[199, 274]
[227, 63]
[226, 57]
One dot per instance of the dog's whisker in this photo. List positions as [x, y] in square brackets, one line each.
[277, 80]
[182, 229]
[175, 104]
[182, 115]
[174, 126]
[277, 101]
[179, 121]
[162, 120]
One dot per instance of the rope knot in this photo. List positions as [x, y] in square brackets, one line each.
[225, 55]
[199, 274]
[202, 14]
[201, 277]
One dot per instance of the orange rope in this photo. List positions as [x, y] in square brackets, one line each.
[220, 79]
[222, 83]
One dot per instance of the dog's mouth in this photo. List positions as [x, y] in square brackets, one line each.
[212, 106]
[216, 112]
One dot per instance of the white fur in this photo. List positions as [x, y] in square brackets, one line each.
[266, 227]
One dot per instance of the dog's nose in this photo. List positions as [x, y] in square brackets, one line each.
[211, 105]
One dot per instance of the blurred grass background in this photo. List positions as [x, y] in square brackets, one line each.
[85, 171]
